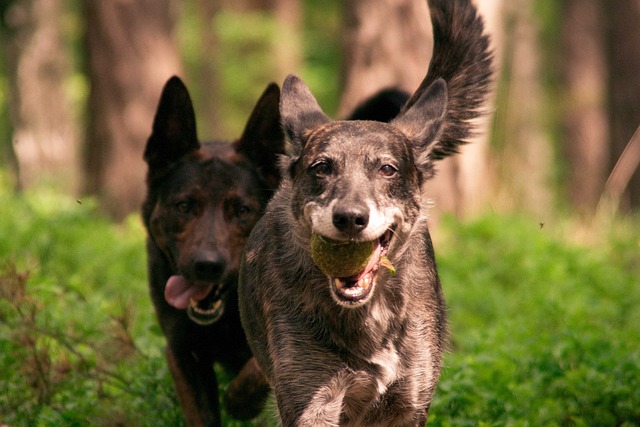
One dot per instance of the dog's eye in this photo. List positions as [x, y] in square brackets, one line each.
[243, 211]
[184, 207]
[321, 168]
[388, 170]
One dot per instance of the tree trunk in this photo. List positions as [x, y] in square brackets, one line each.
[386, 43]
[131, 54]
[624, 85]
[525, 155]
[287, 48]
[585, 122]
[44, 130]
[465, 181]
[207, 97]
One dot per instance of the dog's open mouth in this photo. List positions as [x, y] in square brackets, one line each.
[357, 289]
[203, 304]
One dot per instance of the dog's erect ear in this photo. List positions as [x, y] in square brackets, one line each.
[174, 127]
[262, 141]
[300, 112]
[422, 122]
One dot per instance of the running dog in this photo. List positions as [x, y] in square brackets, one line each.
[363, 350]
[202, 202]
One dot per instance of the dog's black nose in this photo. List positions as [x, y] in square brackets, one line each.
[351, 220]
[209, 268]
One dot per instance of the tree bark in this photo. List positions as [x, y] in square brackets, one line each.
[44, 131]
[386, 43]
[131, 54]
[207, 98]
[465, 182]
[525, 154]
[585, 122]
[624, 85]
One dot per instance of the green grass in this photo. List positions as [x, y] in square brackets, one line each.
[543, 331]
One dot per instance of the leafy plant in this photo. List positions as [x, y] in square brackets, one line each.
[543, 331]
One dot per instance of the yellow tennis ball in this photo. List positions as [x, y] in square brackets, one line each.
[340, 259]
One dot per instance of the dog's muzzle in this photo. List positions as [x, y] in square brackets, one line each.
[205, 316]
[203, 301]
[357, 290]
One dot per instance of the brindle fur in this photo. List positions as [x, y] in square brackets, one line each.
[374, 360]
[202, 202]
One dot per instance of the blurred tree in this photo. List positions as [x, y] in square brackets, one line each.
[131, 53]
[288, 54]
[386, 43]
[207, 78]
[524, 151]
[585, 136]
[232, 49]
[44, 131]
[623, 46]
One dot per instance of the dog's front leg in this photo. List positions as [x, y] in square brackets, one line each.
[330, 402]
[196, 387]
[246, 395]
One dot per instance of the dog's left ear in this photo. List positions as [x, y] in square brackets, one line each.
[262, 141]
[174, 127]
[300, 113]
[422, 121]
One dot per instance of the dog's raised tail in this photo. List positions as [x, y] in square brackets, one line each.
[462, 57]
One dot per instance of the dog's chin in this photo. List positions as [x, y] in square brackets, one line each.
[356, 291]
[353, 293]
[205, 316]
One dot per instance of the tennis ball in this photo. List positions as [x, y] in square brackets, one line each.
[340, 259]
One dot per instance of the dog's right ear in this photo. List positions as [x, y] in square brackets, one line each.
[174, 127]
[422, 122]
[300, 113]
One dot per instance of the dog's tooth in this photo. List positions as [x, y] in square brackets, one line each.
[365, 282]
[339, 283]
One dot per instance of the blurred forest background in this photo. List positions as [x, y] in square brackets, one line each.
[544, 301]
[80, 81]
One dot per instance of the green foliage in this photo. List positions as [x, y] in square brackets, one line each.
[543, 332]
[247, 46]
[323, 51]
[78, 341]
[246, 58]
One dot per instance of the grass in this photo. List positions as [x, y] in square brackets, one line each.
[543, 331]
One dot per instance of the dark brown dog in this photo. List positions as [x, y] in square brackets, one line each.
[363, 350]
[202, 202]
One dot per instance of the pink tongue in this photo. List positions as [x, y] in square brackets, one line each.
[179, 291]
[374, 259]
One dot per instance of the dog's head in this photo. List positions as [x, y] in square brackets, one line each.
[204, 199]
[359, 180]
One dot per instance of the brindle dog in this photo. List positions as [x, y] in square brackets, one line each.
[363, 350]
